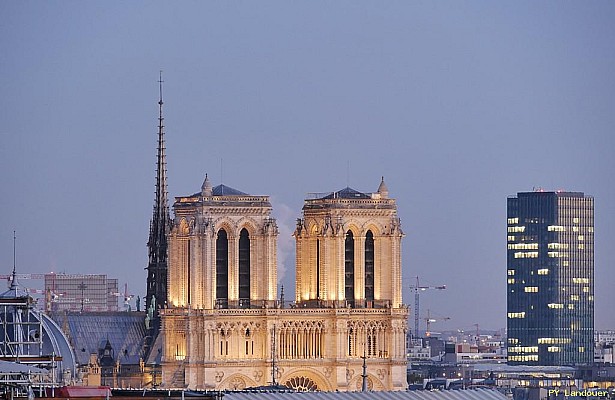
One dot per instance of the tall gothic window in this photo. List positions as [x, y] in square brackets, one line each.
[318, 268]
[349, 267]
[369, 266]
[371, 342]
[351, 343]
[222, 269]
[244, 269]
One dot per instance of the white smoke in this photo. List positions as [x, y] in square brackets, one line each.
[286, 221]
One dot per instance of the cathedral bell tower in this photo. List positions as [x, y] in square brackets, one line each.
[349, 250]
[222, 250]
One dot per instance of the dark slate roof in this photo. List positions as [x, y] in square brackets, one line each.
[124, 330]
[223, 190]
[155, 355]
[347, 193]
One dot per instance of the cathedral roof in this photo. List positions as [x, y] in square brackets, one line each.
[223, 190]
[124, 331]
[347, 193]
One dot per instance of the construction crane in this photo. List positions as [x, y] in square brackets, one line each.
[417, 289]
[49, 275]
[429, 320]
[477, 334]
[127, 297]
[22, 276]
[48, 295]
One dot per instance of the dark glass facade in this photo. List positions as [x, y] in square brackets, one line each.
[550, 275]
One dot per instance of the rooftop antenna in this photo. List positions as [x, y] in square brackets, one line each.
[14, 257]
[160, 81]
[348, 173]
[14, 277]
[221, 171]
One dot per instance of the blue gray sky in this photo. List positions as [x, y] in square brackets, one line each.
[457, 104]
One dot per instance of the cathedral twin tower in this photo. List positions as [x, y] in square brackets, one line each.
[224, 326]
[222, 251]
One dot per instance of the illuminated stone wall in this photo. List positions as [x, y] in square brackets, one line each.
[318, 341]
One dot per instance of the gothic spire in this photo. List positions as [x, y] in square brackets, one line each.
[159, 226]
[161, 205]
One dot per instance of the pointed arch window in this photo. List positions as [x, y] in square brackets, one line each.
[351, 343]
[349, 268]
[369, 266]
[244, 269]
[222, 269]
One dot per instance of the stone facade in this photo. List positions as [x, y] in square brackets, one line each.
[224, 327]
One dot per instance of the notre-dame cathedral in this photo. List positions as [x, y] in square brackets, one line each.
[221, 322]
[224, 326]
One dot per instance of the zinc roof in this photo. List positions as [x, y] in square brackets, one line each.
[477, 394]
[347, 193]
[125, 331]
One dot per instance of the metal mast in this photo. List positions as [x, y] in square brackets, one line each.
[274, 368]
[364, 385]
[14, 276]
[159, 226]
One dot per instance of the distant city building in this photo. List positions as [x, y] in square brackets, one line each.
[416, 350]
[470, 353]
[550, 278]
[94, 292]
[604, 337]
[603, 353]
[603, 350]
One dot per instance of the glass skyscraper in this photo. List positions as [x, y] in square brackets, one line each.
[550, 260]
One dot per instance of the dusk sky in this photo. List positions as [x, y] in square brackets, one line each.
[458, 104]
